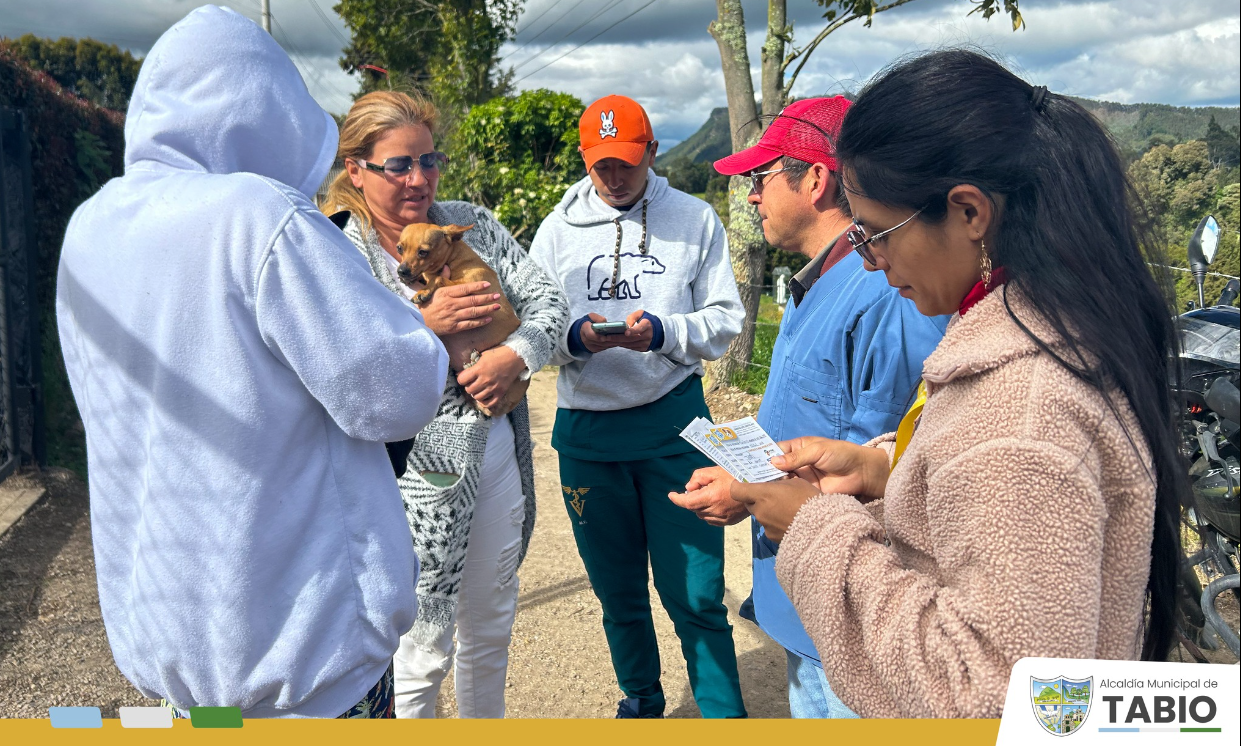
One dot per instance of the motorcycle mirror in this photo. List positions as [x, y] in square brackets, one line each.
[1201, 251]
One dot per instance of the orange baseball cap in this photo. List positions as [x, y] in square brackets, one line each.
[614, 127]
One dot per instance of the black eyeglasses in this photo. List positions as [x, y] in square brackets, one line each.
[402, 164]
[860, 243]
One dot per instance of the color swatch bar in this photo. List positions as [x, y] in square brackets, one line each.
[75, 717]
[215, 717]
[1159, 730]
[146, 717]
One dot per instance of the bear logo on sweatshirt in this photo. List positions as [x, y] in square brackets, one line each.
[632, 266]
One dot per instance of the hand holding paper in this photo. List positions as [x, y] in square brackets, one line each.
[741, 447]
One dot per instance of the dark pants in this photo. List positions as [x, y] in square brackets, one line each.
[621, 517]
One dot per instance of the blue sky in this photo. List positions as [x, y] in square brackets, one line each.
[1120, 50]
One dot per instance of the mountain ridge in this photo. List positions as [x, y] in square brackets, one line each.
[1134, 126]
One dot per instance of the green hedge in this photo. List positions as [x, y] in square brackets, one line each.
[75, 147]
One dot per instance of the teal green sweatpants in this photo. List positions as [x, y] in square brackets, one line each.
[621, 517]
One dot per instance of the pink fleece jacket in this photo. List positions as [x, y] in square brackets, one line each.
[1017, 523]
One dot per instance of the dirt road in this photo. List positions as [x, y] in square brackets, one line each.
[53, 650]
[559, 664]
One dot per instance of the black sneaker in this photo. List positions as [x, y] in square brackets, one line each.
[628, 708]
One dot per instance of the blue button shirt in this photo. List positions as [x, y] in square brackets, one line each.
[846, 366]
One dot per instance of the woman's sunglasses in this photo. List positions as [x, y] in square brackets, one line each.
[402, 164]
[861, 244]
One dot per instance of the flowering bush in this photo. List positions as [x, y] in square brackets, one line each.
[75, 147]
[516, 155]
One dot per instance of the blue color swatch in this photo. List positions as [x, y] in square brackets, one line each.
[75, 717]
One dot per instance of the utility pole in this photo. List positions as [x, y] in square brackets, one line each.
[267, 16]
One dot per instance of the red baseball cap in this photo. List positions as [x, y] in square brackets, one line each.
[805, 130]
[615, 127]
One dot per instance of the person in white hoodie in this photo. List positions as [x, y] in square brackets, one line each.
[238, 369]
[627, 247]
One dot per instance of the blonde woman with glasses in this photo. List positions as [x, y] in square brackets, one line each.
[469, 488]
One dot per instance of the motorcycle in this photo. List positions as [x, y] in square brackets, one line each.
[1210, 387]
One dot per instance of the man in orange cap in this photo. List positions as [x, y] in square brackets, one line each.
[653, 262]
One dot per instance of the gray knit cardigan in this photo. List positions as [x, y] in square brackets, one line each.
[456, 439]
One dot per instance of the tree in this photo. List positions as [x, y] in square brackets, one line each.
[516, 155]
[1223, 146]
[100, 73]
[1179, 186]
[745, 230]
[447, 48]
[745, 235]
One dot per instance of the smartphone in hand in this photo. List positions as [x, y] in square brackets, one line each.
[608, 327]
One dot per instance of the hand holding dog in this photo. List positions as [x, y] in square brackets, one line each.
[774, 504]
[707, 494]
[455, 308]
[489, 379]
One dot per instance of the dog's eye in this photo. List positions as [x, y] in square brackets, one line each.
[423, 253]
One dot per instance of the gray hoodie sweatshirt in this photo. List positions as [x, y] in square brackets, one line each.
[684, 278]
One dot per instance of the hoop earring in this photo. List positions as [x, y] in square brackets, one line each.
[986, 265]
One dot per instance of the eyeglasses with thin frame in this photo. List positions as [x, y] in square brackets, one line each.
[756, 179]
[401, 165]
[860, 243]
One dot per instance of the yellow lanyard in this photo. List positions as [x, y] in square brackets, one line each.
[905, 431]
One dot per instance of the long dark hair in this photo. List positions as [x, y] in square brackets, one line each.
[1072, 238]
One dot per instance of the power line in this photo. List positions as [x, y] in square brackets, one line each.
[558, 19]
[327, 22]
[535, 19]
[572, 31]
[305, 67]
[579, 46]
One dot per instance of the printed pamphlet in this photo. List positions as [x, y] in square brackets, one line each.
[741, 447]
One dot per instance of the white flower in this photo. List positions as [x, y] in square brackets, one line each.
[517, 191]
[521, 203]
[503, 170]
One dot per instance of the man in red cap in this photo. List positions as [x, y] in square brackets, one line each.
[846, 363]
[631, 251]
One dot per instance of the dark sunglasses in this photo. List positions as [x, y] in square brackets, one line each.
[402, 164]
[861, 244]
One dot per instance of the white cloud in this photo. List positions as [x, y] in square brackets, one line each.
[677, 83]
[1123, 50]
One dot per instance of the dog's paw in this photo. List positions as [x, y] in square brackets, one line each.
[422, 298]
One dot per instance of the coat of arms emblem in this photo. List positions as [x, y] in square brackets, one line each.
[1061, 704]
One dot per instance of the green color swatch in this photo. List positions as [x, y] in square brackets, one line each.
[215, 717]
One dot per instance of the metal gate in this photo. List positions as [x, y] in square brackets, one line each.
[22, 440]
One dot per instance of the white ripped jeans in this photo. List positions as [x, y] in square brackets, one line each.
[486, 604]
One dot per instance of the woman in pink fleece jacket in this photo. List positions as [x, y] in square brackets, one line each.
[1033, 511]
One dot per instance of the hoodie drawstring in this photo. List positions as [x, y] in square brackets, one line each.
[616, 256]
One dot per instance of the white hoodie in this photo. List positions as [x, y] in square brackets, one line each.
[237, 369]
[684, 278]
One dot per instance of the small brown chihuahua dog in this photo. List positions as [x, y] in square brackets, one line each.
[425, 249]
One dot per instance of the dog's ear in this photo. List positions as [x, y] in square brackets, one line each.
[455, 232]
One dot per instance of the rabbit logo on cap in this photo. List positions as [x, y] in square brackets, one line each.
[608, 129]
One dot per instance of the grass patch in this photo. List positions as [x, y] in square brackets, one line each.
[753, 379]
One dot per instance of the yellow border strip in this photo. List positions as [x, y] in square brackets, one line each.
[511, 732]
